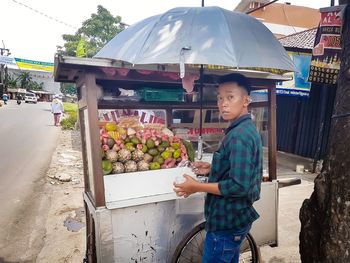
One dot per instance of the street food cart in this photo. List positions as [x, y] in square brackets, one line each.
[136, 216]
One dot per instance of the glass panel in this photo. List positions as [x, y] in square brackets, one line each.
[144, 116]
[183, 116]
[213, 116]
[260, 119]
[259, 95]
[185, 124]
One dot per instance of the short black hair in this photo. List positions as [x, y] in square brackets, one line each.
[237, 78]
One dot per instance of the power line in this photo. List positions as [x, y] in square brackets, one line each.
[45, 15]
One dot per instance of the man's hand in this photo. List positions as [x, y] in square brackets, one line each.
[201, 167]
[187, 188]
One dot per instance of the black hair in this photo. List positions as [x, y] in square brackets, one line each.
[237, 78]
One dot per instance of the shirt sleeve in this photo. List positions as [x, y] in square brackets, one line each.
[241, 164]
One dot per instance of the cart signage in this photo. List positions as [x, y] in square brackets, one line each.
[144, 115]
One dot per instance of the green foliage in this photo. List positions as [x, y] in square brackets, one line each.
[11, 81]
[70, 107]
[33, 85]
[24, 79]
[97, 31]
[71, 111]
[68, 88]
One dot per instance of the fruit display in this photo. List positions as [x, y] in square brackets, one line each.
[129, 147]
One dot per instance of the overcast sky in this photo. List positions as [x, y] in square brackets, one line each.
[33, 36]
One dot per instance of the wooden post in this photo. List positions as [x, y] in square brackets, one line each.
[272, 132]
[88, 89]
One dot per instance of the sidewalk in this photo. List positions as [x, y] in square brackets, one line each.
[62, 245]
[290, 201]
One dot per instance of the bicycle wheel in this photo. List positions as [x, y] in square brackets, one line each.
[190, 249]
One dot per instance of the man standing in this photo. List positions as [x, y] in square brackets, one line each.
[56, 109]
[235, 175]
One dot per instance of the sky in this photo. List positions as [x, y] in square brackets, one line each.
[30, 35]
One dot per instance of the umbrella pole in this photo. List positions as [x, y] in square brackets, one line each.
[200, 139]
[202, 3]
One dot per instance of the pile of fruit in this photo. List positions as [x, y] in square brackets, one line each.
[127, 148]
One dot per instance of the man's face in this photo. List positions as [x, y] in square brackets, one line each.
[233, 101]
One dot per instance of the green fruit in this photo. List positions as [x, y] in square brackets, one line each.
[164, 144]
[144, 148]
[161, 148]
[150, 143]
[130, 146]
[147, 157]
[154, 166]
[166, 155]
[135, 141]
[158, 159]
[177, 154]
[175, 145]
[153, 152]
[189, 149]
[107, 167]
[127, 140]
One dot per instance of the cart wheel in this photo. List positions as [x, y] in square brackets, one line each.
[190, 249]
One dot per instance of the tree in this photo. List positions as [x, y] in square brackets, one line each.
[33, 85]
[97, 31]
[11, 81]
[24, 79]
[68, 88]
[325, 217]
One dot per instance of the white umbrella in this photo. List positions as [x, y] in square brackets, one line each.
[200, 36]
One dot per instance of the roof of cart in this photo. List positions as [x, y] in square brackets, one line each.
[68, 69]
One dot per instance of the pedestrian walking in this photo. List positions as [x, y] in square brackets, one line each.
[235, 175]
[5, 98]
[57, 109]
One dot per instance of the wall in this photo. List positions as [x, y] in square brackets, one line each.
[298, 122]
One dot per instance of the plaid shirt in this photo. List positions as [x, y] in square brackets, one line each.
[237, 167]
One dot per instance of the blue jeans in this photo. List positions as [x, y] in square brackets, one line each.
[223, 246]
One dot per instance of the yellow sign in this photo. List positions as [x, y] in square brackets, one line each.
[34, 65]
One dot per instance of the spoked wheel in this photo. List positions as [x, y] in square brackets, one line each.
[190, 249]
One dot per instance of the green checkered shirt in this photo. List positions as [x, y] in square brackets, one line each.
[237, 167]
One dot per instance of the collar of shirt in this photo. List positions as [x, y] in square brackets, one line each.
[237, 122]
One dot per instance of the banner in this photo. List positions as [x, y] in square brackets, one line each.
[325, 62]
[34, 65]
[299, 84]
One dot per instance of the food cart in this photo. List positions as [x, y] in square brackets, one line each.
[136, 217]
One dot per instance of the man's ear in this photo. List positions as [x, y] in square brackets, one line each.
[247, 100]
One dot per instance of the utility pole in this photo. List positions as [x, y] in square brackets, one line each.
[3, 52]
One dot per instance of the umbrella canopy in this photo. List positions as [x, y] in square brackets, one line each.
[209, 36]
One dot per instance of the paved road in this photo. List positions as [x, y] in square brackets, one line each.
[27, 141]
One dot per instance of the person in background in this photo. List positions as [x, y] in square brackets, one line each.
[56, 109]
[5, 98]
[235, 175]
